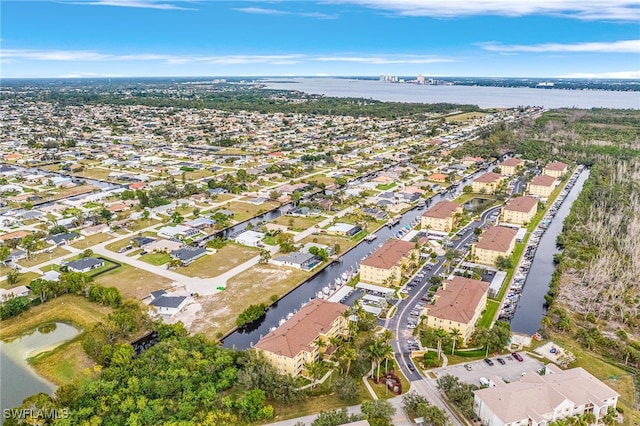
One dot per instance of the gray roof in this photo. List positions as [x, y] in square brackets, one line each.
[186, 253]
[296, 257]
[87, 262]
[58, 238]
[168, 301]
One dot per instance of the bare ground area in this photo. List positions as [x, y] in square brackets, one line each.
[256, 285]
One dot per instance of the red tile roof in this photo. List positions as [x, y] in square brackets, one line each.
[389, 254]
[457, 299]
[497, 238]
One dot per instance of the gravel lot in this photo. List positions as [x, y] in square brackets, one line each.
[511, 371]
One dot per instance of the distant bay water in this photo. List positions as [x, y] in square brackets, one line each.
[483, 96]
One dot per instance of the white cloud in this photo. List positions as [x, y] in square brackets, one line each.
[145, 4]
[264, 11]
[612, 74]
[617, 10]
[622, 46]
[392, 59]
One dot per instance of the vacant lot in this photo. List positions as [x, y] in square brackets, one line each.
[95, 173]
[91, 240]
[23, 279]
[156, 259]
[228, 257]
[256, 285]
[464, 116]
[299, 223]
[133, 282]
[330, 240]
[244, 211]
[36, 259]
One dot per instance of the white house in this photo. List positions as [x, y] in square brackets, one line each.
[167, 305]
[250, 238]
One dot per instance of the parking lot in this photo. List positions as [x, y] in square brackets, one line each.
[510, 372]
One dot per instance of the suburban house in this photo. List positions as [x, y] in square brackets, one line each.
[458, 305]
[536, 400]
[488, 183]
[509, 167]
[520, 210]
[555, 169]
[6, 294]
[177, 231]
[61, 239]
[495, 242]
[250, 238]
[541, 186]
[437, 177]
[167, 305]
[472, 161]
[188, 254]
[95, 229]
[344, 229]
[304, 261]
[385, 265]
[161, 245]
[85, 265]
[441, 217]
[295, 343]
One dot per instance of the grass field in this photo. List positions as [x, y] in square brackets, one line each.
[244, 211]
[489, 314]
[133, 282]
[95, 173]
[299, 223]
[330, 240]
[156, 259]
[386, 186]
[36, 259]
[228, 257]
[256, 285]
[64, 364]
[23, 279]
[464, 116]
[91, 240]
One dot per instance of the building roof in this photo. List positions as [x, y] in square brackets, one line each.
[556, 166]
[298, 333]
[543, 180]
[534, 395]
[87, 262]
[490, 177]
[389, 254]
[296, 258]
[521, 204]
[497, 238]
[442, 210]
[188, 253]
[168, 301]
[513, 162]
[457, 299]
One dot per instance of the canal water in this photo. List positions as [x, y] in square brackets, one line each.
[18, 379]
[245, 337]
[531, 306]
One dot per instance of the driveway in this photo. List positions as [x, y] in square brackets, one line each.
[511, 371]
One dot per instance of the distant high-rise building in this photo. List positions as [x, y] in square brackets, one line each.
[420, 79]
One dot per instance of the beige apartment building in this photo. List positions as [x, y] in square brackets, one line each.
[556, 169]
[488, 183]
[295, 343]
[536, 400]
[458, 305]
[441, 217]
[385, 265]
[541, 186]
[496, 241]
[510, 166]
[520, 210]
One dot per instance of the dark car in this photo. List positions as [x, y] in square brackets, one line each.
[411, 367]
[468, 367]
[488, 361]
[501, 361]
[517, 356]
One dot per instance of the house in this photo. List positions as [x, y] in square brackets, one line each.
[6, 294]
[200, 223]
[141, 241]
[458, 306]
[374, 213]
[166, 304]
[344, 229]
[510, 166]
[536, 400]
[441, 217]
[85, 265]
[305, 248]
[472, 161]
[61, 239]
[488, 183]
[250, 238]
[520, 210]
[541, 186]
[295, 343]
[177, 231]
[51, 275]
[304, 261]
[437, 177]
[188, 254]
[166, 246]
[556, 169]
[15, 235]
[217, 191]
[96, 229]
[495, 242]
[385, 265]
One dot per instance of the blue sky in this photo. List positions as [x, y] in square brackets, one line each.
[493, 38]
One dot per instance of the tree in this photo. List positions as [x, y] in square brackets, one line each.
[265, 256]
[477, 231]
[455, 335]
[346, 388]
[378, 411]
[29, 244]
[176, 217]
[335, 418]
[86, 253]
[58, 229]
[285, 241]
[13, 277]
[467, 189]
[145, 215]
[106, 215]
[4, 253]
[196, 212]
[42, 288]
[504, 263]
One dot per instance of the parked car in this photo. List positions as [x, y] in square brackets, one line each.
[411, 366]
[517, 356]
[488, 361]
[468, 367]
[501, 361]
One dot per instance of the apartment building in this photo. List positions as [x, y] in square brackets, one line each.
[385, 265]
[441, 217]
[495, 242]
[541, 186]
[488, 183]
[510, 166]
[556, 169]
[520, 210]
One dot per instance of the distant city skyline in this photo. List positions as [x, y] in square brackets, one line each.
[182, 38]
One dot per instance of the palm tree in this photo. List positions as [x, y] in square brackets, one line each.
[348, 355]
[455, 335]
[386, 353]
[387, 336]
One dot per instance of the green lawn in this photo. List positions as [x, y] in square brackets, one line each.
[489, 313]
[156, 259]
[386, 186]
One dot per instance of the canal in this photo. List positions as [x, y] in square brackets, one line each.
[293, 301]
[531, 306]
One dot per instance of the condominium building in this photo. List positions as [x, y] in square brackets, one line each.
[441, 217]
[520, 210]
[509, 167]
[556, 169]
[384, 266]
[495, 242]
[488, 183]
[541, 186]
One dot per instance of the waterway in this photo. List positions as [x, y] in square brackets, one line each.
[18, 379]
[483, 96]
[246, 337]
[531, 306]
